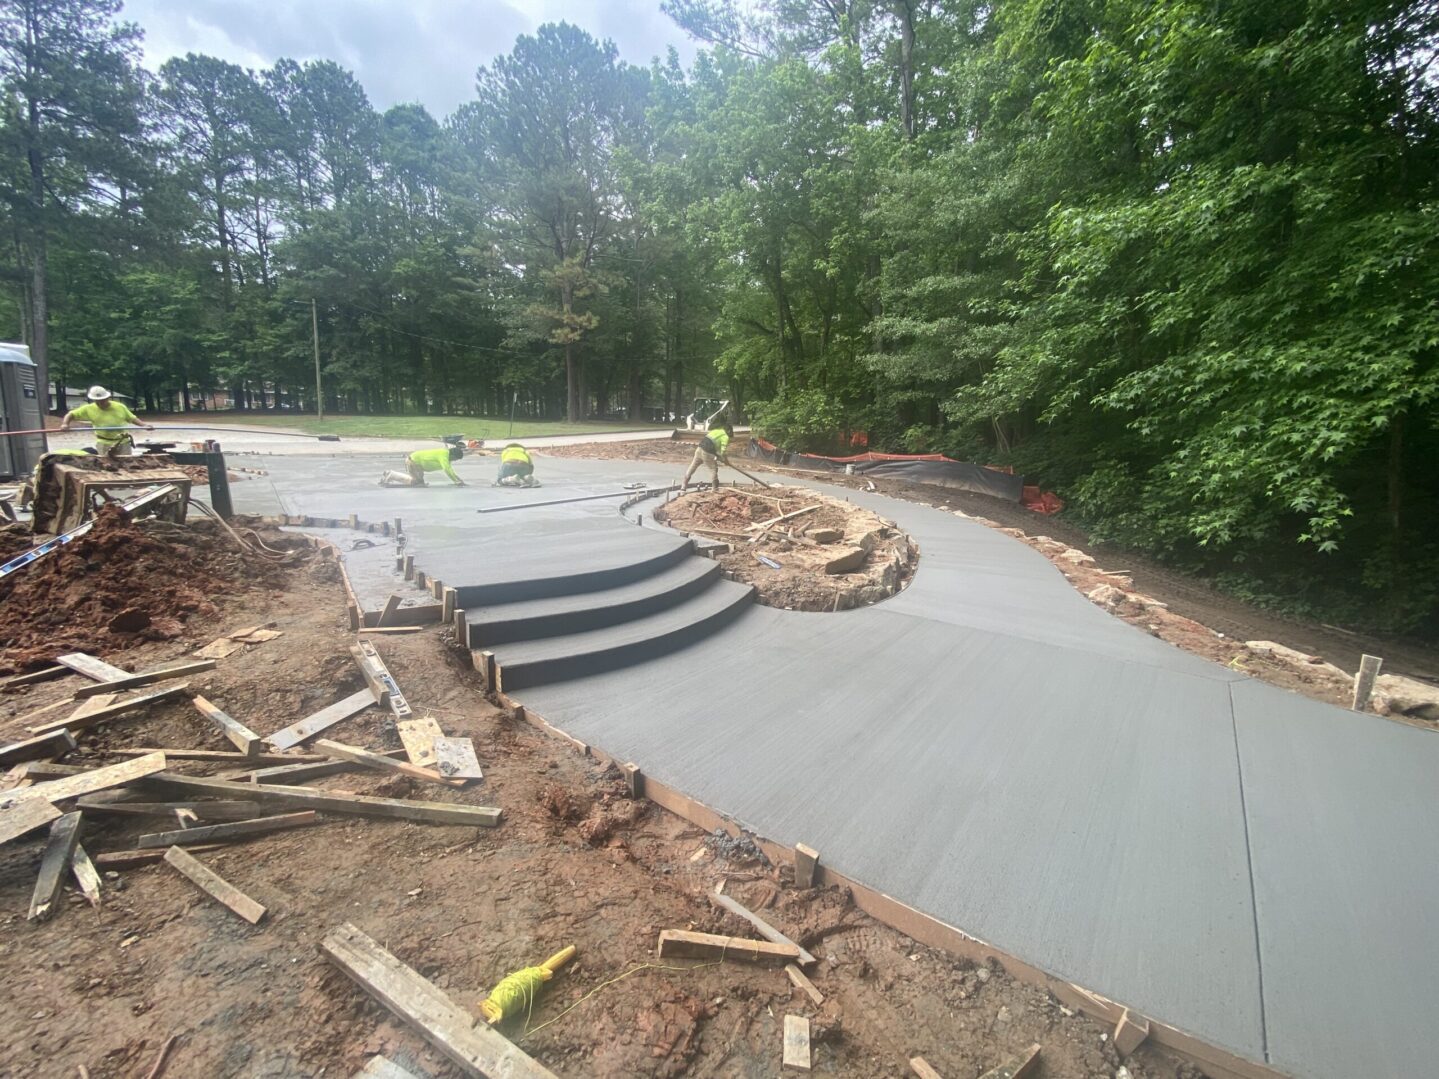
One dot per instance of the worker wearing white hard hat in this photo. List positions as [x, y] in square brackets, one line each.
[109, 418]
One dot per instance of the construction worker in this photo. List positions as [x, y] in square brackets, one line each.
[105, 414]
[422, 461]
[712, 450]
[516, 468]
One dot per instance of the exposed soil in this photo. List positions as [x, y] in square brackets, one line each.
[830, 556]
[574, 862]
[125, 580]
[1185, 610]
[652, 449]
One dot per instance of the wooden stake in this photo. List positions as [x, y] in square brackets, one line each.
[234, 830]
[1016, 1067]
[1130, 1033]
[85, 875]
[634, 780]
[244, 739]
[54, 865]
[921, 1068]
[796, 1042]
[448, 601]
[806, 866]
[678, 944]
[797, 976]
[134, 680]
[215, 886]
[476, 1048]
[761, 926]
[391, 606]
[1364, 682]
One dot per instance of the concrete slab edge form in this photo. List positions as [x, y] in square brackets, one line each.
[1216, 1062]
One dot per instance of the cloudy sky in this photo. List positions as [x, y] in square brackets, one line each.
[400, 50]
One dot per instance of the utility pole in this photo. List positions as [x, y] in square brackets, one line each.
[319, 391]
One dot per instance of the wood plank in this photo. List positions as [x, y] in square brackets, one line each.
[392, 605]
[214, 885]
[383, 1068]
[225, 756]
[380, 680]
[210, 833]
[806, 865]
[220, 809]
[17, 817]
[220, 648]
[802, 983]
[89, 707]
[86, 876]
[1017, 1066]
[339, 802]
[367, 759]
[476, 1048]
[95, 669]
[796, 1043]
[54, 865]
[921, 1068]
[761, 926]
[1130, 1033]
[679, 944]
[41, 747]
[455, 758]
[418, 733]
[299, 773]
[391, 629]
[133, 681]
[243, 738]
[135, 859]
[109, 712]
[29, 679]
[319, 721]
[96, 779]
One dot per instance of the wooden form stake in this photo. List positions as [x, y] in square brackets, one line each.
[803, 984]
[214, 885]
[86, 876]
[244, 739]
[54, 865]
[1130, 1033]
[1364, 682]
[806, 866]
[477, 1048]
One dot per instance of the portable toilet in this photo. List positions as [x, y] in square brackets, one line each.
[21, 409]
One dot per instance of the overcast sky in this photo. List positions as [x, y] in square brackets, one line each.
[400, 50]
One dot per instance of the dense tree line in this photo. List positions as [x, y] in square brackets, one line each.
[1176, 258]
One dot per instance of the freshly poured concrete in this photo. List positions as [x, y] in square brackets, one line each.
[1244, 864]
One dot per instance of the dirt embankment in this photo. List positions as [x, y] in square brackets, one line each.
[125, 581]
[802, 550]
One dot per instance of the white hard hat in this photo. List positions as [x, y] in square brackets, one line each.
[98, 393]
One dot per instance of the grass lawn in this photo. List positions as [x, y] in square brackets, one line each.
[405, 426]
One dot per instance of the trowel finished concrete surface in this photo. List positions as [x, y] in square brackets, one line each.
[1247, 865]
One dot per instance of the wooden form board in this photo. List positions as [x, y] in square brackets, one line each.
[296, 773]
[322, 720]
[335, 802]
[55, 865]
[455, 759]
[132, 681]
[55, 744]
[761, 926]
[134, 859]
[476, 1048]
[43, 675]
[95, 669]
[19, 817]
[418, 733]
[209, 833]
[91, 719]
[217, 810]
[95, 779]
[679, 944]
[367, 759]
[214, 885]
[241, 736]
[221, 755]
[796, 1043]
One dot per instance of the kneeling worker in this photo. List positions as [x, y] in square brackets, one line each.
[422, 461]
[711, 452]
[516, 468]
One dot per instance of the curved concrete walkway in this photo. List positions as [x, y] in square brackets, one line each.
[1242, 863]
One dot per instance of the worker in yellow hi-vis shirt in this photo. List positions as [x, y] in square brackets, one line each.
[105, 414]
[516, 468]
[422, 461]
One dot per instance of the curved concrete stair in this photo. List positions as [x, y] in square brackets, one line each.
[557, 615]
[577, 561]
[573, 655]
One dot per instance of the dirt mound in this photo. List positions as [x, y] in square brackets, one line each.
[121, 583]
[802, 550]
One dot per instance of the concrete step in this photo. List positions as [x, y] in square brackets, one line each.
[573, 655]
[582, 560]
[556, 615]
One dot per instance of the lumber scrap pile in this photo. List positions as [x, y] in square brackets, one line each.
[178, 813]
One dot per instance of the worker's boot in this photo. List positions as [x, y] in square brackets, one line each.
[530, 481]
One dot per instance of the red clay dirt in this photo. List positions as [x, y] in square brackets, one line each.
[574, 862]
